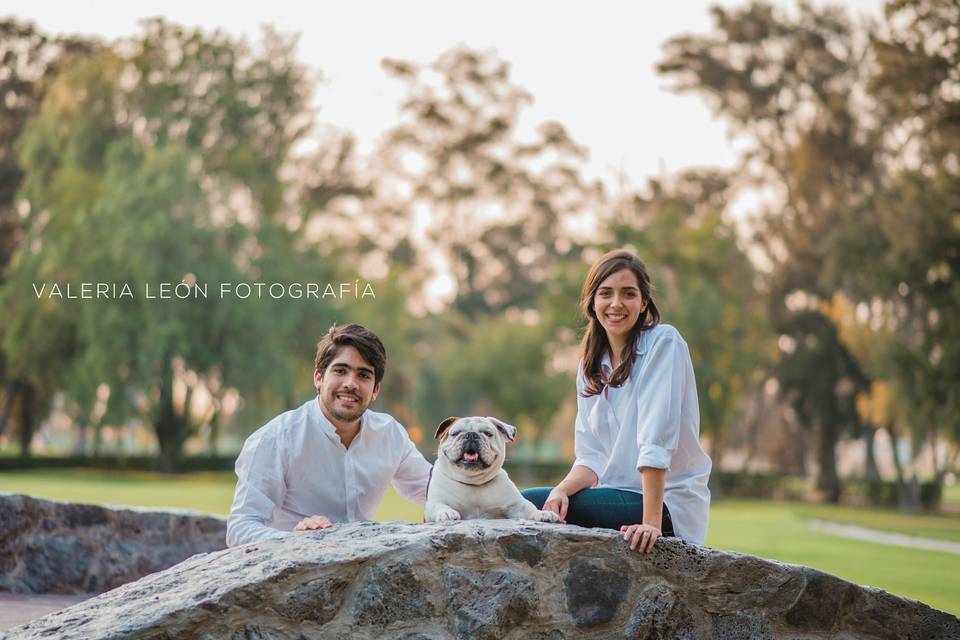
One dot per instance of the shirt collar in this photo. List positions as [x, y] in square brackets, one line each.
[326, 426]
[643, 343]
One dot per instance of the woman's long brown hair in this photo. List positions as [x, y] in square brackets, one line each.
[595, 343]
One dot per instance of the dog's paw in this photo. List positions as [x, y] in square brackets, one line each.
[444, 514]
[546, 516]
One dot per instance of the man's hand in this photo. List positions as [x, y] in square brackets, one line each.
[558, 501]
[313, 522]
[641, 536]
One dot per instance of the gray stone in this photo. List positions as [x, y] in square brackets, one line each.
[744, 582]
[738, 626]
[367, 581]
[487, 605]
[818, 607]
[318, 600]
[59, 547]
[659, 615]
[523, 548]
[594, 591]
[390, 592]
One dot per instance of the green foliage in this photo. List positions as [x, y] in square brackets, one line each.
[784, 82]
[171, 156]
[123, 189]
[498, 367]
[29, 60]
[863, 164]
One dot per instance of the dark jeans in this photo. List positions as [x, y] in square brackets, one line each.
[605, 508]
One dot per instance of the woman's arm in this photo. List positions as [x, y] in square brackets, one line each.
[579, 478]
[653, 496]
[659, 402]
[647, 533]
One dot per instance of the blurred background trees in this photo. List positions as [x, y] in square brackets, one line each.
[817, 283]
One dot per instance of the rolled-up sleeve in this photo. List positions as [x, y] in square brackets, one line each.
[587, 447]
[659, 402]
[412, 474]
[260, 490]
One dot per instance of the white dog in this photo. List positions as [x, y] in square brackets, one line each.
[467, 480]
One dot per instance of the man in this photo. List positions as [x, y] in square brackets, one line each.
[331, 459]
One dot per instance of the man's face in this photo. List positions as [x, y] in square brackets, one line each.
[346, 388]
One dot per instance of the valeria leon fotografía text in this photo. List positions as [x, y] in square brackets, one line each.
[184, 290]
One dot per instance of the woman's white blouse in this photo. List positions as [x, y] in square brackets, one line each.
[652, 420]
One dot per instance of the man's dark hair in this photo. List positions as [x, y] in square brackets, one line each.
[358, 337]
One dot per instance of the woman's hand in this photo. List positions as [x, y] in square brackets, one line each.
[557, 502]
[641, 536]
[313, 522]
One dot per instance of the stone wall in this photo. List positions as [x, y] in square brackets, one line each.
[484, 580]
[61, 547]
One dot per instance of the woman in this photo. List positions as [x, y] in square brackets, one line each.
[639, 466]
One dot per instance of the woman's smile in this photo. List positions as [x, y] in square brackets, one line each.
[618, 302]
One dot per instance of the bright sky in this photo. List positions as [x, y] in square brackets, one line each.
[587, 65]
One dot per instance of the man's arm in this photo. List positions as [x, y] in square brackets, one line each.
[413, 474]
[260, 490]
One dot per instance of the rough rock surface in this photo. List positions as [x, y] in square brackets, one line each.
[62, 547]
[486, 579]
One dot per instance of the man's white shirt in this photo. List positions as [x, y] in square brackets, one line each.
[652, 420]
[295, 466]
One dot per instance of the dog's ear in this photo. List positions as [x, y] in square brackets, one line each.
[507, 430]
[442, 429]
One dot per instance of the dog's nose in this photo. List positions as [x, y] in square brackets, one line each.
[473, 435]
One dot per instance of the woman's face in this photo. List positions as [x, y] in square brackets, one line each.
[618, 303]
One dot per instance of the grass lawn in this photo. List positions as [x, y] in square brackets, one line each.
[775, 530]
[939, 527]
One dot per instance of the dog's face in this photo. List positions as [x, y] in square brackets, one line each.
[473, 447]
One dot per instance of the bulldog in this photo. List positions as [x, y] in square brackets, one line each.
[468, 482]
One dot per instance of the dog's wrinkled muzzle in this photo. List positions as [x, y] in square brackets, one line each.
[470, 454]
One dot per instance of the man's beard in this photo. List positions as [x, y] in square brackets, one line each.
[345, 416]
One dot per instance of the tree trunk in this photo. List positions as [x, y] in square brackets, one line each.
[754, 412]
[9, 392]
[827, 482]
[908, 494]
[169, 426]
[80, 446]
[26, 419]
[214, 435]
[872, 471]
[97, 439]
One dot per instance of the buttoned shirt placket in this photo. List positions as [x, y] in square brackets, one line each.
[350, 475]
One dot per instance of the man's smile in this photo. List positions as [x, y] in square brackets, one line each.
[348, 398]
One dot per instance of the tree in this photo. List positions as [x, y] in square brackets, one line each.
[28, 61]
[482, 214]
[500, 366]
[915, 86]
[789, 86]
[125, 188]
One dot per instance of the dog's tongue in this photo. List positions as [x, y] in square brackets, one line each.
[471, 457]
